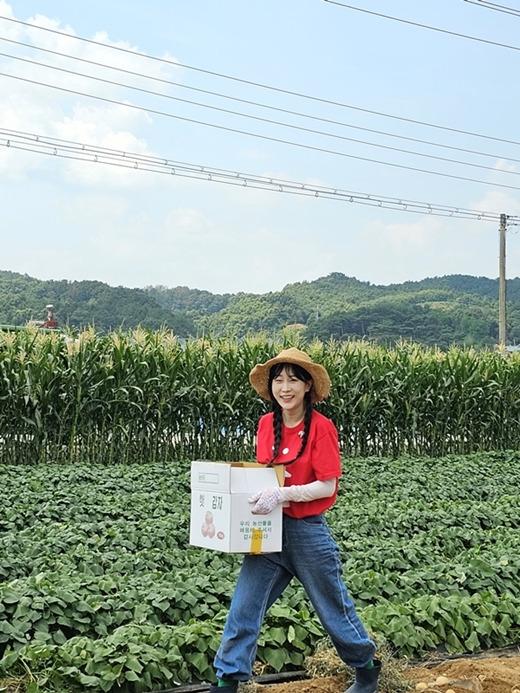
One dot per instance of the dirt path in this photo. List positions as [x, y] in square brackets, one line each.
[486, 674]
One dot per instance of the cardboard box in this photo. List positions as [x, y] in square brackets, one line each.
[221, 517]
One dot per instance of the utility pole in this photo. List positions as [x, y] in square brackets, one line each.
[502, 286]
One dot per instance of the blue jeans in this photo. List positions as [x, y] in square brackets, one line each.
[310, 554]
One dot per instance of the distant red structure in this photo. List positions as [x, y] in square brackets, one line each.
[50, 322]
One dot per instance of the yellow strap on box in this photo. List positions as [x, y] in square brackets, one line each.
[280, 474]
[256, 541]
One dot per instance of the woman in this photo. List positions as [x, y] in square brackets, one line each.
[306, 442]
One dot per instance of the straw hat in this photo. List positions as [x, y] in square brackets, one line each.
[259, 376]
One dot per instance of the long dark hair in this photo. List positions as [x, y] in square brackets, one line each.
[305, 376]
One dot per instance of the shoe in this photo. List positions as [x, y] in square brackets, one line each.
[231, 688]
[366, 679]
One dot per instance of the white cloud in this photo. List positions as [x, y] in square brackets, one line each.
[423, 247]
[114, 244]
[418, 233]
[32, 108]
[498, 202]
[503, 165]
[10, 30]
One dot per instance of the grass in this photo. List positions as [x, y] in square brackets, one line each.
[326, 662]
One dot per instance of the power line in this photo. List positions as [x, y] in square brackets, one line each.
[273, 108]
[259, 118]
[495, 6]
[278, 90]
[247, 101]
[424, 26]
[60, 148]
[263, 137]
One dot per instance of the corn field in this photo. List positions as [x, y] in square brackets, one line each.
[144, 396]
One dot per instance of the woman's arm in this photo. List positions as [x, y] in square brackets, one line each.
[266, 501]
[309, 492]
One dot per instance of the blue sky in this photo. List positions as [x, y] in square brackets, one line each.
[337, 81]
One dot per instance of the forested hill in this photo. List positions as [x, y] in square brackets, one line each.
[79, 304]
[454, 309]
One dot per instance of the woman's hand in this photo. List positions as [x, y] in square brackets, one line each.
[266, 501]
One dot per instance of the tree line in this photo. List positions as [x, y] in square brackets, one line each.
[440, 311]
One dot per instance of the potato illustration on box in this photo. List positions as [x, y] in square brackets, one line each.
[208, 528]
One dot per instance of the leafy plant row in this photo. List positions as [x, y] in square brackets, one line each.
[100, 590]
[144, 657]
[451, 623]
[136, 396]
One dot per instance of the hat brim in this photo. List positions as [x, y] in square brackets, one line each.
[259, 376]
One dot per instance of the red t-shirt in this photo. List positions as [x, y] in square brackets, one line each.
[319, 462]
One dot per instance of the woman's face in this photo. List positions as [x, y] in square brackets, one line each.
[289, 391]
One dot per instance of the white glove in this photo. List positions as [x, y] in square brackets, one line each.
[266, 501]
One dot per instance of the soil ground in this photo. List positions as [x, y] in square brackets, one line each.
[498, 673]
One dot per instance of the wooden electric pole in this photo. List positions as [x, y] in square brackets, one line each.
[502, 285]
